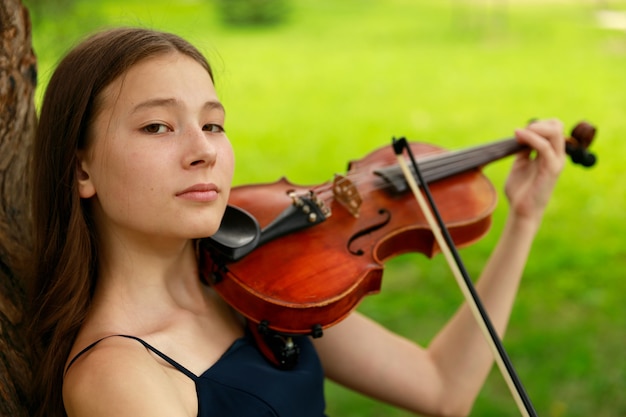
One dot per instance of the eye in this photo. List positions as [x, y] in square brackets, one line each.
[213, 128]
[155, 128]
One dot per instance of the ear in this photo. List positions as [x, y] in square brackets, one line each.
[86, 188]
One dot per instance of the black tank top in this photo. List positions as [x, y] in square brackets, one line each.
[242, 383]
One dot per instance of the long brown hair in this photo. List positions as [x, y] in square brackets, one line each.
[65, 257]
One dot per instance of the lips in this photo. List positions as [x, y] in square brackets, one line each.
[199, 192]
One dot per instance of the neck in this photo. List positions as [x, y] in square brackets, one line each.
[158, 279]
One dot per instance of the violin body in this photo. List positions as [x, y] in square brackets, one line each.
[308, 280]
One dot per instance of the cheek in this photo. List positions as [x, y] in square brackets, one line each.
[140, 177]
[124, 181]
[229, 159]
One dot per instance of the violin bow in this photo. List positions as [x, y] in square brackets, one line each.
[453, 258]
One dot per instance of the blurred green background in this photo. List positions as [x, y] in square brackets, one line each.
[323, 82]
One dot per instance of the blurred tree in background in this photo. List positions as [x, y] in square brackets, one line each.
[18, 77]
[52, 9]
[250, 12]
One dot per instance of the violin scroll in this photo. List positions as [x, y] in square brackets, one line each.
[577, 145]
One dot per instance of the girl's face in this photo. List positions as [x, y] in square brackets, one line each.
[158, 164]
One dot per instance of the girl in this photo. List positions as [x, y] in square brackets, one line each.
[131, 166]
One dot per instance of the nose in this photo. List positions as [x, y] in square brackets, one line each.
[200, 150]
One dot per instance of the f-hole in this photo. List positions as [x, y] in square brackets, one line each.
[386, 218]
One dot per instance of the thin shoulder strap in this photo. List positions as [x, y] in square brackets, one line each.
[163, 356]
[82, 352]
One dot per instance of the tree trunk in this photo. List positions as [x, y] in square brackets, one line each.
[18, 75]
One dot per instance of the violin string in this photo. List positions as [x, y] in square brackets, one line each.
[433, 167]
[441, 166]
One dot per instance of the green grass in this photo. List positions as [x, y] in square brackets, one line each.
[340, 78]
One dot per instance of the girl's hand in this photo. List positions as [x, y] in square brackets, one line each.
[535, 172]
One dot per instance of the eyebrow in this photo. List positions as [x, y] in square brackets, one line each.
[171, 102]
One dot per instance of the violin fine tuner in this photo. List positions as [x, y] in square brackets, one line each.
[240, 233]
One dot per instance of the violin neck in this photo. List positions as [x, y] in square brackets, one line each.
[443, 165]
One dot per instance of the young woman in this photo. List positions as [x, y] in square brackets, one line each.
[131, 166]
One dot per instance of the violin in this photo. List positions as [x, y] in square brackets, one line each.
[295, 260]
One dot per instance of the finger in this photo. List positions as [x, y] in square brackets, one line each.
[542, 145]
[550, 129]
[548, 142]
[536, 134]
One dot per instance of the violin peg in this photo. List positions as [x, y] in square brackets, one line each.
[576, 146]
[584, 133]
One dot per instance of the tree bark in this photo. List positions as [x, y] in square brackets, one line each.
[18, 73]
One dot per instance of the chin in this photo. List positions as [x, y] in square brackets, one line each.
[200, 233]
[204, 226]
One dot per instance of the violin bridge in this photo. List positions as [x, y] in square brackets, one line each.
[346, 194]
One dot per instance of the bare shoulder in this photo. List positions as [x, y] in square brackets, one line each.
[119, 377]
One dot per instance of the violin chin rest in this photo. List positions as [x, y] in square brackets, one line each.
[239, 233]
